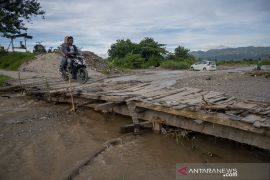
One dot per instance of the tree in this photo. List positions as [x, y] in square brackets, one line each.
[148, 47]
[121, 48]
[13, 14]
[181, 52]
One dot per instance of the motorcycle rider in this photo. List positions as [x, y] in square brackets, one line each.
[63, 63]
[69, 51]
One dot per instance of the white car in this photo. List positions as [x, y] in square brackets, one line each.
[204, 65]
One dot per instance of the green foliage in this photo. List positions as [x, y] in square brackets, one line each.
[13, 13]
[3, 79]
[121, 48]
[130, 61]
[181, 52]
[266, 62]
[153, 61]
[172, 64]
[244, 61]
[148, 47]
[133, 61]
[148, 53]
[126, 54]
[11, 61]
[180, 59]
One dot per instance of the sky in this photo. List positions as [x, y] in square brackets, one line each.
[194, 24]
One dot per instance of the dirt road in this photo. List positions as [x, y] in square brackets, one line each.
[234, 81]
[46, 65]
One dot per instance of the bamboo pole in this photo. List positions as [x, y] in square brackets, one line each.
[71, 96]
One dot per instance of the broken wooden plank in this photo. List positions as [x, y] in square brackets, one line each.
[216, 118]
[180, 95]
[217, 99]
[243, 105]
[168, 93]
[212, 94]
[251, 118]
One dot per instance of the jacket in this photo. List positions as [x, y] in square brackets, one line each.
[65, 50]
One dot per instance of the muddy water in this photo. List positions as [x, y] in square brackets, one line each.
[39, 140]
[154, 156]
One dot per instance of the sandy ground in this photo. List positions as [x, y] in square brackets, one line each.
[46, 65]
[39, 140]
[237, 84]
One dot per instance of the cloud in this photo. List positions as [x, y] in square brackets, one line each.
[195, 24]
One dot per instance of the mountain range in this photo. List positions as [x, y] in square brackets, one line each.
[238, 53]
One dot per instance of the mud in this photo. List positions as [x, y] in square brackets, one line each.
[44, 141]
[41, 140]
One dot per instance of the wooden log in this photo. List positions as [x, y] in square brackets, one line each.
[108, 106]
[130, 127]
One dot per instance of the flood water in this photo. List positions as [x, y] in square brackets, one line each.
[154, 156]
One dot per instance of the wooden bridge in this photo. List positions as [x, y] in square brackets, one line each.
[208, 112]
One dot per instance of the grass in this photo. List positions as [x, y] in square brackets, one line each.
[246, 62]
[3, 79]
[12, 61]
[171, 64]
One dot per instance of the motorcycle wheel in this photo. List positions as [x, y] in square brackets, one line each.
[82, 75]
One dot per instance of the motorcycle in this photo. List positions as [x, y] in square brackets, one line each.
[77, 70]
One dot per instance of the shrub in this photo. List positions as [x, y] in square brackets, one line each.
[133, 61]
[3, 79]
[153, 61]
[172, 64]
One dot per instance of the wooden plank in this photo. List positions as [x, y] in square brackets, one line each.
[212, 94]
[114, 98]
[137, 88]
[265, 112]
[153, 94]
[251, 118]
[147, 89]
[140, 92]
[106, 106]
[180, 95]
[217, 99]
[243, 105]
[193, 99]
[89, 95]
[215, 118]
[168, 93]
[229, 101]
